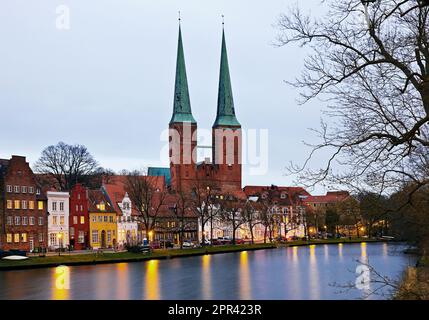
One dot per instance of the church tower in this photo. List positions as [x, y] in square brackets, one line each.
[182, 129]
[226, 131]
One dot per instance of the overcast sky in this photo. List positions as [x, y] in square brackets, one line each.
[108, 81]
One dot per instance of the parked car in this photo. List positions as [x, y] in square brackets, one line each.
[4, 254]
[188, 244]
[206, 242]
[17, 253]
[155, 245]
[239, 241]
[166, 244]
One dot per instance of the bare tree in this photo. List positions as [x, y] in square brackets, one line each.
[67, 164]
[183, 213]
[370, 62]
[251, 216]
[147, 197]
[231, 211]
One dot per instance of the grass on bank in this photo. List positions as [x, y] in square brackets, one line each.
[93, 258]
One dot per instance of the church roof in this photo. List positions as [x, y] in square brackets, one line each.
[182, 105]
[225, 103]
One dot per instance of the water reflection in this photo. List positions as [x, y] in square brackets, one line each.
[60, 283]
[363, 255]
[122, 278]
[284, 273]
[152, 281]
[244, 276]
[206, 277]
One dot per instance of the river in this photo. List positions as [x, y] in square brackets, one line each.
[308, 272]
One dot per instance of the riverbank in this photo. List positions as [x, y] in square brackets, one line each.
[104, 258]
[415, 283]
[329, 241]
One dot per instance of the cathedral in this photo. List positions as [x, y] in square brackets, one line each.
[224, 170]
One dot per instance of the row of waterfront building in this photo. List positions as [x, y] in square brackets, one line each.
[35, 216]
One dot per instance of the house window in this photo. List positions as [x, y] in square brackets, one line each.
[9, 238]
[82, 220]
[24, 204]
[54, 206]
[38, 191]
[9, 220]
[32, 221]
[40, 205]
[31, 205]
[61, 206]
[53, 239]
[71, 231]
[30, 189]
[81, 207]
[17, 204]
[16, 189]
[77, 208]
[94, 218]
[24, 221]
[61, 221]
[24, 189]
[40, 237]
[17, 221]
[78, 196]
[9, 204]
[283, 196]
[81, 238]
[100, 219]
[95, 236]
[40, 221]
[109, 236]
[9, 188]
[23, 237]
[106, 218]
[102, 207]
[74, 219]
[54, 220]
[111, 219]
[16, 237]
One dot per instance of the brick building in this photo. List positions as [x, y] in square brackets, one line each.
[23, 207]
[224, 169]
[79, 218]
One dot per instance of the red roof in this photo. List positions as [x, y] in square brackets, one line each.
[330, 197]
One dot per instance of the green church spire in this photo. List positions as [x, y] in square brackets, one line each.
[182, 105]
[225, 102]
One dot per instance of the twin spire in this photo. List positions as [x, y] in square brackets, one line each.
[225, 105]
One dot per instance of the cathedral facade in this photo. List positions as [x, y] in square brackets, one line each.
[224, 170]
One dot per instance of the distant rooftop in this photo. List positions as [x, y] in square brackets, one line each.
[160, 172]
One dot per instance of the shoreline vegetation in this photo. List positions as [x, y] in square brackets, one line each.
[124, 257]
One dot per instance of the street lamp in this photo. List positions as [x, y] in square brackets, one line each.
[60, 236]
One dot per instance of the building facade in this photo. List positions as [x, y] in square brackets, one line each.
[102, 221]
[58, 219]
[23, 207]
[79, 218]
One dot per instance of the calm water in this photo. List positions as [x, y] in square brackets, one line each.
[285, 273]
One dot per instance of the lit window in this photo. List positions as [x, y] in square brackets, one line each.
[16, 237]
[77, 208]
[95, 236]
[53, 239]
[31, 205]
[9, 238]
[17, 221]
[54, 220]
[61, 221]
[82, 220]
[74, 219]
[81, 238]
[23, 237]
[17, 204]
[102, 207]
[24, 204]
[78, 196]
[40, 221]
[81, 207]
[9, 204]
[40, 205]
[9, 188]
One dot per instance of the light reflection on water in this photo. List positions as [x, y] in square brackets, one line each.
[285, 273]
